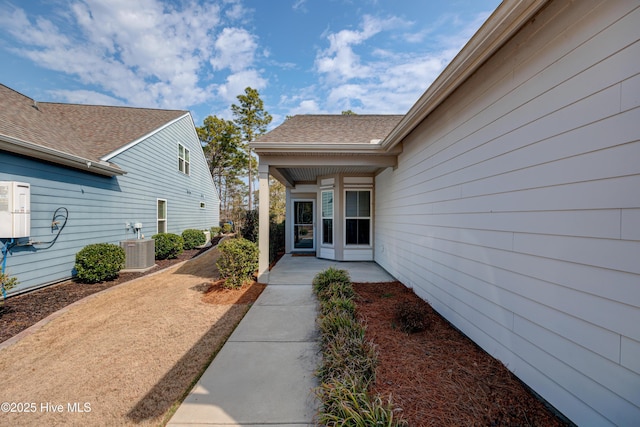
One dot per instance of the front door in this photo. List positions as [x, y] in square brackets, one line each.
[303, 235]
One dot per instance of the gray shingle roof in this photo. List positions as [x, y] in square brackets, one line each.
[345, 129]
[88, 131]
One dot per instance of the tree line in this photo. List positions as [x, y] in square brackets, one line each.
[231, 161]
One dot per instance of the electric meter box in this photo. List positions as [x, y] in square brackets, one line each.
[15, 209]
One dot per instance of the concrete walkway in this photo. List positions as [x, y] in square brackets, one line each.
[264, 374]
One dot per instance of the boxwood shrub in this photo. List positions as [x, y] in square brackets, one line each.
[168, 245]
[237, 262]
[193, 238]
[99, 262]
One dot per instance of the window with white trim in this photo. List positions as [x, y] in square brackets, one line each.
[183, 159]
[358, 217]
[327, 217]
[162, 216]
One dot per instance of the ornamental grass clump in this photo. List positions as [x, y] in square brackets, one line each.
[346, 404]
[348, 359]
[338, 305]
[99, 262]
[238, 261]
[328, 279]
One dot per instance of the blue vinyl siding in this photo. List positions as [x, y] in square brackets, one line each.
[99, 207]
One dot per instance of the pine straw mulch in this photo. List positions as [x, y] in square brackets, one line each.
[216, 293]
[439, 377]
[22, 311]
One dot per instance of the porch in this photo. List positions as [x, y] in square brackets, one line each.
[297, 270]
[328, 165]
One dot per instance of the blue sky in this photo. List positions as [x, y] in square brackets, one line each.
[304, 56]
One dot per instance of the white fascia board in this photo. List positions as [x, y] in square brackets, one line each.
[503, 23]
[112, 154]
[28, 149]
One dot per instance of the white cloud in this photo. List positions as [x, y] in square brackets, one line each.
[144, 53]
[299, 5]
[236, 12]
[238, 82]
[85, 97]
[235, 49]
[308, 106]
[339, 62]
[381, 80]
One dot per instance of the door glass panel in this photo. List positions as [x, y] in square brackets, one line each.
[303, 237]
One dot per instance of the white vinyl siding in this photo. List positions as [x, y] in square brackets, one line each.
[515, 209]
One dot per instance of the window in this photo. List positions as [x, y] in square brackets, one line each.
[358, 217]
[162, 216]
[183, 159]
[327, 217]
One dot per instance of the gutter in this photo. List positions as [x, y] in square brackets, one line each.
[28, 149]
[503, 23]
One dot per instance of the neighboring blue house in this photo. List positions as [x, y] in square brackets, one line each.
[95, 172]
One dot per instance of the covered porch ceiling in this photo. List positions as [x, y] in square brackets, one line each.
[292, 170]
[306, 147]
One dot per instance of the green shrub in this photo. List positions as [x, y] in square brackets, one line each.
[249, 228]
[99, 262]
[238, 261]
[227, 228]
[412, 316]
[168, 245]
[215, 231]
[276, 239]
[193, 238]
[7, 282]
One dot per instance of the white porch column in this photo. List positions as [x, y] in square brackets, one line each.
[263, 213]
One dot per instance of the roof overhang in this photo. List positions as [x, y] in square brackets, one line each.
[292, 163]
[503, 23]
[27, 149]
